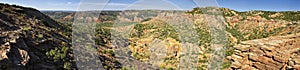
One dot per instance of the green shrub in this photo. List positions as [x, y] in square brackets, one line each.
[229, 52]
[110, 52]
[67, 65]
[27, 28]
[171, 69]
[226, 65]
[58, 54]
[40, 36]
[203, 61]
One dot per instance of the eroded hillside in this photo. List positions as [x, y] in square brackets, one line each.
[31, 40]
[153, 39]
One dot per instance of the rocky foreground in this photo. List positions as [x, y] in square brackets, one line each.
[31, 40]
[273, 53]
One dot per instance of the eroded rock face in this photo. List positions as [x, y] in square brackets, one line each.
[273, 53]
[25, 37]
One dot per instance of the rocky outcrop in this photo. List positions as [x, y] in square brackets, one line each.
[273, 53]
[26, 35]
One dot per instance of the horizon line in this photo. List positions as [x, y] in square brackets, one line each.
[163, 10]
[147, 9]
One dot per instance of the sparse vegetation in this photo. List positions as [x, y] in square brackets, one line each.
[226, 65]
[60, 55]
[27, 28]
[151, 28]
[109, 52]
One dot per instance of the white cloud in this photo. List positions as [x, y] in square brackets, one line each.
[117, 4]
[103, 4]
[139, 5]
[68, 3]
[154, 4]
[89, 3]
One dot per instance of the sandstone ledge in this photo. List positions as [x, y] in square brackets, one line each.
[273, 53]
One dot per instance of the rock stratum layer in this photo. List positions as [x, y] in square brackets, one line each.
[273, 53]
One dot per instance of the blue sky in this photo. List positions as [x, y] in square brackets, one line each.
[240, 5]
